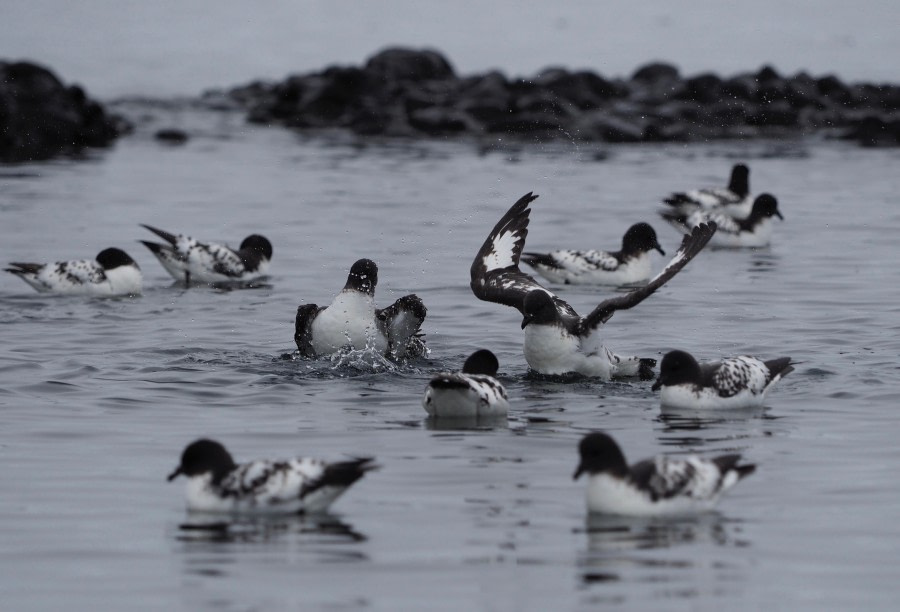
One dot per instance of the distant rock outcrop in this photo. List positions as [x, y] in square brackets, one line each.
[41, 118]
[411, 93]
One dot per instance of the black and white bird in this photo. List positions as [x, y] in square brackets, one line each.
[753, 231]
[658, 486]
[557, 340]
[734, 382]
[352, 321]
[474, 392]
[215, 483]
[734, 200]
[628, 266]
[112, 273]
[190, 261]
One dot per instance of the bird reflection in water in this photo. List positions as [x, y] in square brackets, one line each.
[622, 548]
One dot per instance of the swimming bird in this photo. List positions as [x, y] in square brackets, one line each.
[735, 382]
[193, 262]
[754, 231]
[351, 320]
[291, 486]
[558, 340]
[625, 267]
[658, 486]
[734, 200]
[113, 272]
[474, 392]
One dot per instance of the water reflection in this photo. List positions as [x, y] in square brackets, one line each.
[212, 546]
[484, 423]
[617, 547]
[320, 528]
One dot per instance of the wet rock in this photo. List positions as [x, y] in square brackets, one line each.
[40, 117]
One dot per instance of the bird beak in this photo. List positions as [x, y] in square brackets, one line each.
[578, 471]
[525, 321]
[659, 248]
[657, 385]
[174, 474]
[777, 212]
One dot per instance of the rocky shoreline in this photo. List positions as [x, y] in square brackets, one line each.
[414, 93]
[407, 93]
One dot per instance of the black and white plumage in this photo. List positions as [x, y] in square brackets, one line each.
[112, 273]
[659, 486]
[193, 262]
[291, 486]
[754, 231]
[734, 200]
[352, 321]
[558, 340]
[735, 382]
[474, 392]
[628, 266]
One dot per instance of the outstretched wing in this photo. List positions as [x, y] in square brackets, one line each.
[692, 244]
[495, 273]
[401, 323]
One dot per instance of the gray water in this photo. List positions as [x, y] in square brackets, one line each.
[99, 396]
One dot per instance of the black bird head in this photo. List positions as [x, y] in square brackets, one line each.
[538, 307]
[257, 244]
[363, 276]
[640, 238]
[599, 453]
[677, 367]
[481, 362]
[202, 456]
[113, 258]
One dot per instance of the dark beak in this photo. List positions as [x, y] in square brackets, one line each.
[525, 321]
[659, 248]
[656, 386]
[578, 471]
[777, 212]
[174, 474]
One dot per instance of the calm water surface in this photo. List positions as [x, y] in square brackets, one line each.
[98, 397]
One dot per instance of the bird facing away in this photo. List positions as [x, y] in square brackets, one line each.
[215, 483]
[661, 485]
[625, 267]
[557, 340]
[734, 200]
[190, 261]
[735, 382]
[351, 320]
[753, 231]
[474, 392]
[112, 273]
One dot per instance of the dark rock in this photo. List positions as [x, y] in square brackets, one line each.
[40, 117]
[704, 88]
[832, 88]
[398, 64]
[873, 131]
[655, 72]
[436, 121]
[773, 114]
[172, 136]
[586, 90]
